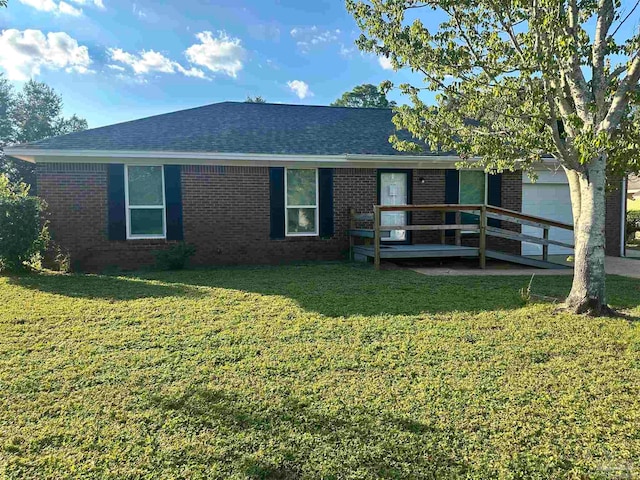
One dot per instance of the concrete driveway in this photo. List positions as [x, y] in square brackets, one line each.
[626, 267]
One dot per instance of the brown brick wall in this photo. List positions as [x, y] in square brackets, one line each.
[226, 215]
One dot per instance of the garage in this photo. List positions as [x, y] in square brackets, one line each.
[548, 197]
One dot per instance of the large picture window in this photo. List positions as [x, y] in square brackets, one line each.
[301, 201]
[144, 192]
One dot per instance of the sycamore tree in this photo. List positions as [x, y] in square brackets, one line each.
[365, 95]
[518, 80]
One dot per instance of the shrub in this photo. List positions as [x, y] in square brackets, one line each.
[62, 259]
[23, 234]
[633, 224]
[175, 257]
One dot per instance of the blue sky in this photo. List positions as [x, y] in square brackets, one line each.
[116, 60]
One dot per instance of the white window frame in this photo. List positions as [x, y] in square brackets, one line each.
[128, 207]
[287, 206]
[486, 185]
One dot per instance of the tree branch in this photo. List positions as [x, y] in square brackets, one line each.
[620, 98]
[625, 18]
[599, 85]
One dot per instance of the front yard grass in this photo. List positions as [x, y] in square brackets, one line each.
[316, 371]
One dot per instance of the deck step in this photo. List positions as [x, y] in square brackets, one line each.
[531, 262]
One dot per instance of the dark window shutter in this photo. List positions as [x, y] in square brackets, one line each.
[325, 188]
[173, 199]
[494, 195]
[451, 195]
[276, 202]
[117, 228]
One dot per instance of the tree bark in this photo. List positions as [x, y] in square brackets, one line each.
[588, 195]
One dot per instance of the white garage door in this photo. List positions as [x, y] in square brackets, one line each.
[549, 197]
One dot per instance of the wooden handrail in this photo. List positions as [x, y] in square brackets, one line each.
[419, 208]
[533, 218]
[483, 212]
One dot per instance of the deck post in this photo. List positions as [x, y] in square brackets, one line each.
[458, 232]
[376, 236]
[545, 247]
[443, 233]
[482, 245]
[352, 226]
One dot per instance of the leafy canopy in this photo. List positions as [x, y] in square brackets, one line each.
[515, 79]
[32, 114]
[366, 95]
[256, 99]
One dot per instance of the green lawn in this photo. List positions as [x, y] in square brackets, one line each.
[318, 371]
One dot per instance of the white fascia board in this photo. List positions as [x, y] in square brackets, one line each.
[235, 159]
[231, 159]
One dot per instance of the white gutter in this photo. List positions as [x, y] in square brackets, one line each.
[232, 159]
[42, 155]
[623, 223]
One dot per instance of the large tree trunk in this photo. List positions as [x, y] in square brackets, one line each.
[588, 197]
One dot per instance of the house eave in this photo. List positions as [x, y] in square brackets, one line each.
[234, 159]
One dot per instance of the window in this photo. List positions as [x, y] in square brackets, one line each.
[144, 192]
[473, 191]
[301, 202]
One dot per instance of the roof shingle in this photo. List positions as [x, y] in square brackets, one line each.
[238, 127]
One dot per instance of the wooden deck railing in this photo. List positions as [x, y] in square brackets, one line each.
[483, 212]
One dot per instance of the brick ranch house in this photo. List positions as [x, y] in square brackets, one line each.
[260, 183]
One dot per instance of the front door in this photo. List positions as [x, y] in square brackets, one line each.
[393, 189]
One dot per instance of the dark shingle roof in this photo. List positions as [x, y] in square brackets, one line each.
[235, 127]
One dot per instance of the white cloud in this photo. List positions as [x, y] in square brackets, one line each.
[118, 68]
[139, 12]
[346, 52]
[42, 5]
[385, 63]
[219, 54]
[24, 53]
[300, 88]
[61, 8]
[149, 61]
[96, 3]
[67, 9]
[308, 37]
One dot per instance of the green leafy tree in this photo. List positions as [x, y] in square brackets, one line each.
[33, 114]
[536, 77]
[256, 99]
[22, 233]
[71, 124]
[366, 95]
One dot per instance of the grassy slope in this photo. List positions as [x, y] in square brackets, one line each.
[324, 371]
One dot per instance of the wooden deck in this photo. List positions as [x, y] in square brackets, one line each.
[449, 251]
[486, 215]
[417, 251]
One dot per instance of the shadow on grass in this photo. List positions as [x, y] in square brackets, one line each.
[100, 287]
[341, 289]
[352, 438]
[333, 289]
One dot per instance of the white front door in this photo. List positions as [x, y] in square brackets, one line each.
[394, 190]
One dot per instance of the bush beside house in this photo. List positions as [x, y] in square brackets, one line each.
[23, 235]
